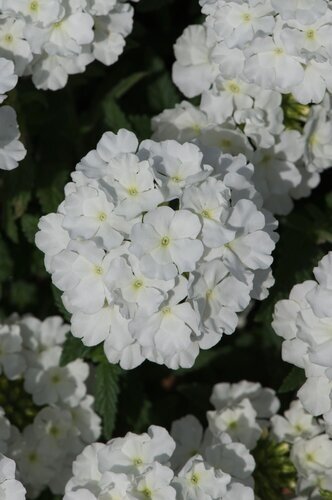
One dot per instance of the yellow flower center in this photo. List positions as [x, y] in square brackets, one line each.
[166, 310]
[278, 51]
[234, 87]
[206, 213]
[246, 17]
[138, 284]
[225, 143]
[98, 270]
[147, 493]
[194, 478]
[137, 461]
[176, 178]
[310, 34]
[34, 6]
[9, 38]
[132, 190]
[102, 216]
[165, 241]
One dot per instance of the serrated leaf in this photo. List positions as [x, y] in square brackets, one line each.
[73, 348]
[126, 84]
[293, 381]
[106, 395]
[114, 117]
[29, 225]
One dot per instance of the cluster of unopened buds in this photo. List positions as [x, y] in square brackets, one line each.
[46, 415]
[157, 247]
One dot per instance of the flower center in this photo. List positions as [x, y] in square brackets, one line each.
[246, 17]
[194, 478]
[57, 24]
[55, 379]
[9, 38]
[166, 310]
[209, 294]
[176, 178]
[225, 143]
[138, 284]
[234, 87]
[147, 493]
[310, 34]
[165, 241]
[137, 461]
[98, 270]
[278, 51]
[132, 190]
[206, 213]
[34, 6]
[102, 216]
[33, 457]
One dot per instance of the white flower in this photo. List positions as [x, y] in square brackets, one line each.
[12, 363]
[303, 11]
[57, 384]
[166, 242]
[195, 68]
[131, 454]
[10, 488]
[198, 480]
[296, 423]
[170, 335]
[239, 421]
[123, 258]
[11, 149]
[44, 12]
[263, 399]
[188, 435]
[276, 173]
[155, 484]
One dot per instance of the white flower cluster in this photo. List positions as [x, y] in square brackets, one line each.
[210, 465]
[310, 450]
[11, 149]
[305, 322]
[51, 39]
[66, 423]
[10, 488]
[240, 61]
[275, 45]
[157, 248]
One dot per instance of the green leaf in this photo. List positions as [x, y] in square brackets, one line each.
[126, 84]
[59, 304]
[141, 125]
[106, 395]
[326, 494]
[151, 5]
[29, 224]
[114, 117]
[73, 348]
[23, 294]
[163, 93]
[51, 195]
[293, 381]
[7, 264]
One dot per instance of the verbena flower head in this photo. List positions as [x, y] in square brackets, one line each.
[157, 247]
[47, 416]
[11, 149]
[304, 321]
[52, 39]
[240, 61]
